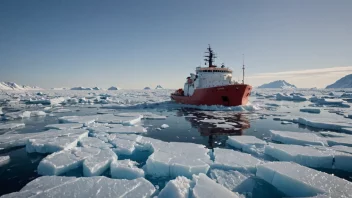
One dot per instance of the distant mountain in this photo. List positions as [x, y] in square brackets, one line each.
[345, 82]
[113, 88]
[97, 88]
[159, 87]
[17, 87]
[146, 88]
[278, 84]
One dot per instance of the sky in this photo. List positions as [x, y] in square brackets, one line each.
[139, 43]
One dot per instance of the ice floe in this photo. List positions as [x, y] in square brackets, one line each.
[176, 188]
[55, 140]
[227, 159]
[175, 158]
[94, 142]
[206, 187]
[304, 155]
[233, 180]
[323, 124]
[248, 144]
[64, 126]
[116, 128]
[11, 126]
[96, 165]
[310, 110]
[113, 119]
[298, 181]
[85, 120]
[164, 126]
[102, 187]
[294, 97]
[125, 169]
[299, 138]
[4, 160]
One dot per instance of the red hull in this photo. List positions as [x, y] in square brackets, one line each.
[229, 95]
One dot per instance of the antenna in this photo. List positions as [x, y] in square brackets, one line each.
[243, 69]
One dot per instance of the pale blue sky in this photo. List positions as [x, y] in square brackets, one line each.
[133, 44]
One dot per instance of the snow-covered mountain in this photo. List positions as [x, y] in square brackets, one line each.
[345, 82]
[146, 88]
[159, 87]
[17, 87]
[278, 84]
[113, 88]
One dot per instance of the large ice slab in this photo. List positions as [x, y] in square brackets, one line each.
[125, 169]
[298, 181]
[206, 187]
[116, 128]
[94, 142]
[299, 138]
[102, 187]
[310, 110]
[123, 146]
[64, 126]
[248, 144]
[11, 126]
[63, 161]
[17, 115]
[323, 124]
[55, 140]
[125, 120]
[176, 188]
[233, 180]
[304, 155]
[343, 141]
[175, 158]
[226, 159]
[152, 116]
[85, 120]
[98, 164]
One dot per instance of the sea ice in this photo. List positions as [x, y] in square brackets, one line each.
[152, 116]
[296, 97]
[175, 158]
[66, 160]
[344, 149]
[323, 124]
[11, 126]
[64, 126]
[343, 141]
[102, 187]
[233, 180]
[113, 119]
[85, 120]
[176, 188]
[248, 144]
[55, 140]
[304, 155]
[164, 126]
[310, 110]
[299, 138]
[123, 146]
[206, 187]
[37, 113]
[116, 128]
[125, 169]
[17, 115]
[298, 181]
[94, 142]
[98, 164]
[212, 120]
[4, 160]
[226, 159]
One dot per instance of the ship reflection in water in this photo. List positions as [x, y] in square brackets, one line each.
[222, 125]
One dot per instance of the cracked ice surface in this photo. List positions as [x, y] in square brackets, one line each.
[55, 186]
[227, 159]
[125, 169]
[288, 177]
[299, 138]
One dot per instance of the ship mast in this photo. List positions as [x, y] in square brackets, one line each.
[210, 57]
[243, 68]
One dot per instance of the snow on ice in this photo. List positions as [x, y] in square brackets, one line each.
[299, 138]
[298, 181]
[102, 187]
[248, 144]
[125, 169]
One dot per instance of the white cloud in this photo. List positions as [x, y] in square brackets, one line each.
[303, 78]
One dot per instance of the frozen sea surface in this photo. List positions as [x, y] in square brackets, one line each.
[141, 141]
